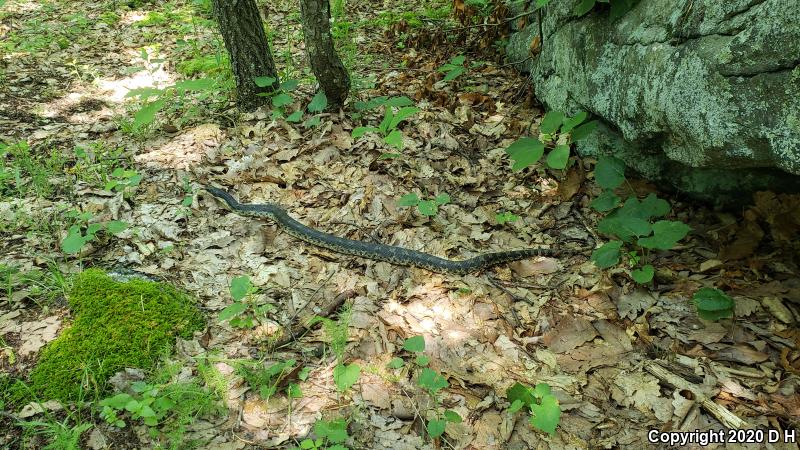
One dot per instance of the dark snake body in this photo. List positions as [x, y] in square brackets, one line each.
[379, 252]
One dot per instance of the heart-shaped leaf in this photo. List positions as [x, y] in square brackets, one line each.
[607, 255]
[414, 344]
[666, 233]
[240, 287]
[232, 310]
[609, 172]
[318, 103]
[551, 122]
[436, 427]
[643, 275]
[346, 375]
[558, 157]
[546, 415]
[524, 152]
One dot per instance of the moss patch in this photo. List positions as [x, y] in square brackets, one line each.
[117, 325]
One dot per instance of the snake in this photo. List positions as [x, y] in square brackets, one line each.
[377, 252]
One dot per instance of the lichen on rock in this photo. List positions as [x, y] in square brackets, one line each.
[692, 93]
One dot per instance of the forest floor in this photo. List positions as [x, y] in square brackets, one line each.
[621, 358]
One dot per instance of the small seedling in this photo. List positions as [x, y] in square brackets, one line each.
[542, 405]
[396, 110]
[243, 312]
[427, 208]
[713, 304]
[631, 223]
[436, 427]
[557, 133]
[172, 406]
[122, 179]
[83, 232]
[337, 333]
[147, 113]
[282, 98]
[346, 375]
[429, 380]
[454, 68]
[330, 435]
[266, 380]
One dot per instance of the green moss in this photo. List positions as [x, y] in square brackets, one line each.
[117, 325]
[201, 65]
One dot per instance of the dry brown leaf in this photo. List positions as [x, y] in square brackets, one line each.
[570, 186]
[629, 305]
[777, 309]
[589, 356]
[740, 353]
[527, 268]
[568, 334]
[36, 334]
[613, 335]
[643, 391]
[748, 236]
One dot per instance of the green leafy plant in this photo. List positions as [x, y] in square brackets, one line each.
[51, 432]
[505, 217]
[539, 401]
[122, 180]
[244, 312]
[84, 232]
[436, 426]
[202, 88]
[329, 436]
[22, 172]
[267, 379]
[396, 110]
[94, 163]
[170, 406]
[632, 223]
[713, 304]
[318, 104]
[346, 375]
[454, 68]
[556, 134]
[40, 286]
[433, 382]
[428, 208]
[281, 99]
[337, 333]
[60, 435]
[618, 7]
[429, 380]
[188, 196]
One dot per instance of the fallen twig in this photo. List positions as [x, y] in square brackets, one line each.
[725, 417]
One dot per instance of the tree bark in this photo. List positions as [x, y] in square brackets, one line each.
[241, 28]
[325, 63]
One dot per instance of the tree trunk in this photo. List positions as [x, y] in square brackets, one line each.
[243, 33]
[325, 63]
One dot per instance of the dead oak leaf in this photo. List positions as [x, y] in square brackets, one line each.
[569, 334]
[741, 353]
[36, 334]
[642, 391]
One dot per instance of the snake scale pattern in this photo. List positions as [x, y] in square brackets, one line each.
[378, 252]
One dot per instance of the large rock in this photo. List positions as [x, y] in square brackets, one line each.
[701, 94]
